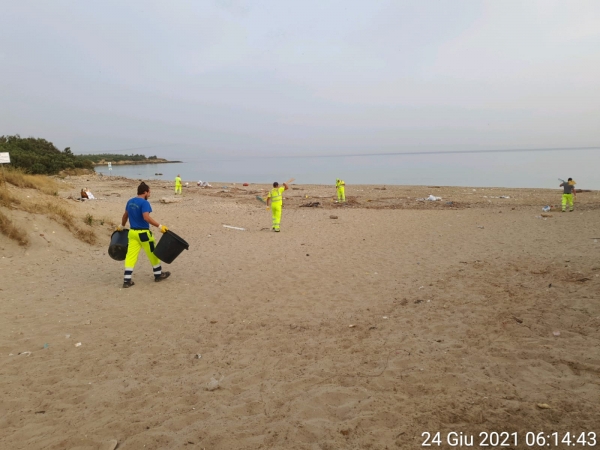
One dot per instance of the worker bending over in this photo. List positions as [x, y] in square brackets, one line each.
[340, 186]
[275, 201]
[568, 194]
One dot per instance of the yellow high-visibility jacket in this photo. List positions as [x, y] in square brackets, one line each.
[276, 195]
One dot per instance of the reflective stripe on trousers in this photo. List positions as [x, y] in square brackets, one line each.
[138, 240]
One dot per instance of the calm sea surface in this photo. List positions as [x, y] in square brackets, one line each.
[532, 170]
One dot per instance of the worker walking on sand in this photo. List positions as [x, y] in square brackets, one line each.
[275, 201]
[340, 186]
[178, 184]
[568, 194]
[138, 211]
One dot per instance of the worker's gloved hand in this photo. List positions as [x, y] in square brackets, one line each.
[119, 228]
[163, 228]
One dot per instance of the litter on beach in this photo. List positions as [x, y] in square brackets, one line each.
[234, 228]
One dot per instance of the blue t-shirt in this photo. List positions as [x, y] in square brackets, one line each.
[135, 208]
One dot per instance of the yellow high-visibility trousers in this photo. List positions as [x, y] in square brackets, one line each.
[138, 240]
[341, 194]
[567, 198]
[276, 211]
[178, 189]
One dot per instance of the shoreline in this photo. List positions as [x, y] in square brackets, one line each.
[135, 163]
[218, 184]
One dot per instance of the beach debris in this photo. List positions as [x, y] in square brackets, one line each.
[333, 217]
[433, 198]
[46, 346]
[480, 226]
[517, 319]
[24, 353]
[546, 215]
[245, 184]
[213, 384]
[546, 208]
[197, 356]
[352, 326]
[78, 344]
[234, 228]
[170, 200]
[543, 406]
[449, 203]
[556, 333]
[311, 205]
[111, 445]
[384, 317]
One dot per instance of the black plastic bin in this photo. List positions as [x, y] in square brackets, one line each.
[118, 245]
[169, 247]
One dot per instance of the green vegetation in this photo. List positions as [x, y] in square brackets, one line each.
[38, 156]
[109, 157]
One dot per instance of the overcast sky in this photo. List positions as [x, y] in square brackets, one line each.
[266, 77]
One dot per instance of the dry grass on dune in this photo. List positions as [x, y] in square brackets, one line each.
[6, 199]
[46, 205]
[91, 220]
[62, 216]
[11, 231]
[41, 183]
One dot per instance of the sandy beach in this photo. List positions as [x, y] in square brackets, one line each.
[364, 331]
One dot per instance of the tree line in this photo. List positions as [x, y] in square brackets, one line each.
[110, 157]
[38, 156]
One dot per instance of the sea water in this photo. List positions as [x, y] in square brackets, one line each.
[518, 170]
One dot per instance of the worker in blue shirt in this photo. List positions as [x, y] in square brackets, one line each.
[138, 211]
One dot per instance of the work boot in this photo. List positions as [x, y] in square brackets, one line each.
[162, 276]
[128, 284]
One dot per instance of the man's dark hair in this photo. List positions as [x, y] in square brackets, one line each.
[570, 179]
[275, 184]
[143, 188]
